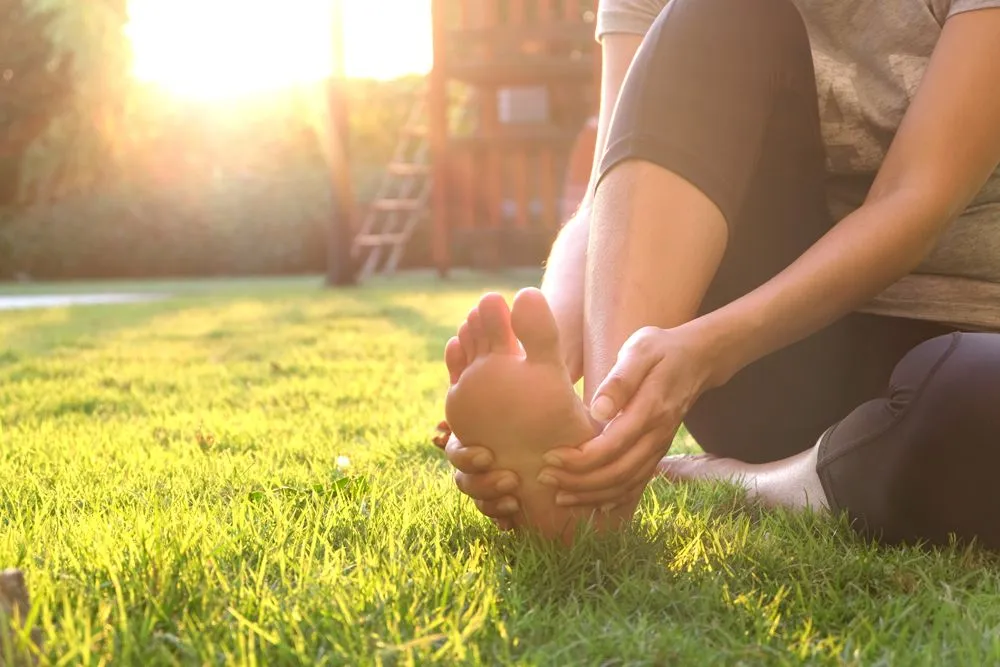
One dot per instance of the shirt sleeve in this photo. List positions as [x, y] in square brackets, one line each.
[634, 17]
[960, 6]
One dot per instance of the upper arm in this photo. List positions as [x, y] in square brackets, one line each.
[948, 144]
[617, 52]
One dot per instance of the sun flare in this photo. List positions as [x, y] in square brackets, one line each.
[227, 48]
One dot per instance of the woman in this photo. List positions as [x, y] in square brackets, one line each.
[768, 168]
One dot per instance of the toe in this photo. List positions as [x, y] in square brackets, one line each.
[495, 317]
[480, 343]
[536, 327]
[686, 467]
[468, 345]
[454, 359]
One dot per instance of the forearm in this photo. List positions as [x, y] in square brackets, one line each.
[563, 286]
[864, 254]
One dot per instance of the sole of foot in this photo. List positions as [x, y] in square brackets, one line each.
[511, 392]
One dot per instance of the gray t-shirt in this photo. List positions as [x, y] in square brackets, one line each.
[870, 56]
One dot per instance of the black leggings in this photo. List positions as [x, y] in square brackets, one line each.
[723, 93]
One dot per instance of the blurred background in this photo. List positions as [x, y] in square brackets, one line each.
[152, 138]
[185, 137]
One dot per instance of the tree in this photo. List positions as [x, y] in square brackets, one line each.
[84, 145]
[35, 85]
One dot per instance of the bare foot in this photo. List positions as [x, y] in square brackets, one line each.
[518, 401]
[790, 482]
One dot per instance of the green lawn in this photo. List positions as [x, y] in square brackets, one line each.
[244, 475]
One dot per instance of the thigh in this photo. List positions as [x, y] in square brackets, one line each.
[920, 462]
[782, 404]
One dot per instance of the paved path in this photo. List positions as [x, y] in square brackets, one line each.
[62, 300]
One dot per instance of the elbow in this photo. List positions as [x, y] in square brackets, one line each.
[922, 214]
[932, 197]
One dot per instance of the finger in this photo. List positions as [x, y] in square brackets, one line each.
[470, 459]
[631, 500]
[635, 359]
[611, 444]
[620, 473]
[502, 509]
[611, 497]
[492, 485]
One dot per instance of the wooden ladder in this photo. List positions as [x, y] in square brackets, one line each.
[401, 202]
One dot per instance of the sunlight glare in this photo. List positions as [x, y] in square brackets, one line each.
[227, 48]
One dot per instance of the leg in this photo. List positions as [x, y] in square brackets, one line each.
[858, 362]
[920, 463]
[917, 464]
[713, 183]
[714, 157]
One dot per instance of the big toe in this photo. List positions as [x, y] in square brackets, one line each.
[535, 326]
[495, 317]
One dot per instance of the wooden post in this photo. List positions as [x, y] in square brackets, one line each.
[546, 164]
[438, 130]
[489, 127]
[467, 162]
[339, 265]
[518, 160]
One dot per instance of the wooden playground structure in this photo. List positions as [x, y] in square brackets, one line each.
[485, 159]
[509, 158]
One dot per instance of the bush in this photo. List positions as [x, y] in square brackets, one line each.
[250, 226]
[35, 83]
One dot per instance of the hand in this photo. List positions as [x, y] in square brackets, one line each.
[658, 376]
[490, 489]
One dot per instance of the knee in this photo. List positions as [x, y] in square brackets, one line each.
[956, 378]
[754, 31]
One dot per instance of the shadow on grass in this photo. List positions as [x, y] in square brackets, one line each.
[38, 332]
[72, 327]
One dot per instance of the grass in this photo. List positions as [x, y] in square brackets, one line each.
[243, 475]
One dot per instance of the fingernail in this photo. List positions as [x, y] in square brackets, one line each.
[507, 505]
[563, 499]
[603, 409]
[482, 460]
[506, 485]
[547, 480]
[552, 460]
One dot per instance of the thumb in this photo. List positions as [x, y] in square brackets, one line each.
[636, 358]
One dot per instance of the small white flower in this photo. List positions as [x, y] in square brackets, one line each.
[343, 462]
